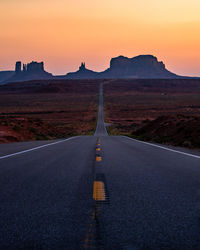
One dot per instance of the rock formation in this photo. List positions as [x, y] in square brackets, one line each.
[82, 73]
[18, 67]
[35, 67]
[143, 66]
[31, 71]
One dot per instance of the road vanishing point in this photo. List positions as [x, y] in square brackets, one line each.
[98, 192]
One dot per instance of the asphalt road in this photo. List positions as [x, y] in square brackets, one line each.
[70, 195]
[100, 129]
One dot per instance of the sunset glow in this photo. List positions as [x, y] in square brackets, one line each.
[63, 33]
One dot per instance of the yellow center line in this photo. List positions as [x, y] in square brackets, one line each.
[99, 191]
[98, 158]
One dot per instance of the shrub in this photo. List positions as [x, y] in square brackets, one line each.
[17, 128]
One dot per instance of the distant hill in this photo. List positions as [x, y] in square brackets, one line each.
[4, 75]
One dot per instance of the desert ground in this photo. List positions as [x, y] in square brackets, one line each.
[40, 110]
[162, 111]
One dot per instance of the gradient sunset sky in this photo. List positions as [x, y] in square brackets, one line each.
[62, 33]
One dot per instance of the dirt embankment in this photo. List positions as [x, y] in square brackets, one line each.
[176, 130]
[13, 129]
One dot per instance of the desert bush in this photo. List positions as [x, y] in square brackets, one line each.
[187, 144]
[40, 137]
[32, 130]
[17, 128]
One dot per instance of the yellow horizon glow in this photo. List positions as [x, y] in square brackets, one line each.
[63, 33]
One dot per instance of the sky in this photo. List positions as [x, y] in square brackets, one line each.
[63, 33]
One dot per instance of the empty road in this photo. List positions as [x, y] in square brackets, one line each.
[98, 192]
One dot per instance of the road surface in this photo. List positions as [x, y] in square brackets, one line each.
[98, 192]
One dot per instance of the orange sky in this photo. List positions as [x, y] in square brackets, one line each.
[63, 33]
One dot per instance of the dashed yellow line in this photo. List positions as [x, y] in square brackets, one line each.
[98, 149]
[99, 191]
[98, 158]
